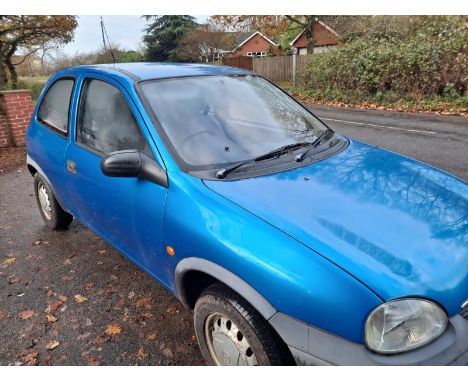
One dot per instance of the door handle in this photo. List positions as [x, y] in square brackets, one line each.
[71, 166]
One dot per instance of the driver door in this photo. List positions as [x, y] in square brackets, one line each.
[127, 212]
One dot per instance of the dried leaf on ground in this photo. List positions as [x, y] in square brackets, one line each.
[80, 299]
[9, 260]
[52, 344]
[151, 337]
[89, 286]
[131, 295]
[14, 280]
[113, 329]
[51, 318]
[50, 293]
[53, 306]
[147, 302]
[141, 353]
[25, 314]
[29, 358]
[62, 298]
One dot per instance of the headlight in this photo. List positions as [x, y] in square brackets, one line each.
[401, 325]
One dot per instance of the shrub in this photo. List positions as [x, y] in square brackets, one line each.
[429, 61]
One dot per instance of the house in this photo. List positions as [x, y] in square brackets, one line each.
[324, 39]
[251, 44]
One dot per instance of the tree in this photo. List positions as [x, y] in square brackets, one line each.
[163, 35]
[271, 25]
[203, 43]
[29, 34]
[307, 22]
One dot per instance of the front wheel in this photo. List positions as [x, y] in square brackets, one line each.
[54, 216]
[231, 332]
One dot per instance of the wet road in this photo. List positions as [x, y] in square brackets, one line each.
[68, 298]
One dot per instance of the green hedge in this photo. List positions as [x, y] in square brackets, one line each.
[429, 62]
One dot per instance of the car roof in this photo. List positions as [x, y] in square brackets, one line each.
[141, 71]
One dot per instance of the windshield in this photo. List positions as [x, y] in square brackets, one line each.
[217, 120]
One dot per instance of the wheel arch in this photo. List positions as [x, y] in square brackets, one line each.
[194, 274]
[34, 168]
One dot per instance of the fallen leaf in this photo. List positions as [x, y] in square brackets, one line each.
[52, 344]
[9, 261]
[113, 329]
[50, 293]
[62, 298]
[29, 358]
[89, 285]
[14, 280]
[146, 302]
[141, 353]
[51, 318]
[53, 306]
[67, 278]
[25, 314]
[67, 262]
[80, 299]
[102, 251]
[151, 337]
[131, 295]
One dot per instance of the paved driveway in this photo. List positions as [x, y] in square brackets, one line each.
[68, 298]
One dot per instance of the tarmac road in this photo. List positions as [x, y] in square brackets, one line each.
[68, 298]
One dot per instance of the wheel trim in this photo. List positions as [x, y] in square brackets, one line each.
[44, 201]
[226, 343]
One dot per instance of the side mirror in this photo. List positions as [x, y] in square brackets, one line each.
[133, 164]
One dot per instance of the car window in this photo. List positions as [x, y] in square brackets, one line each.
[105, 120]
[214, 120]
[55, 105]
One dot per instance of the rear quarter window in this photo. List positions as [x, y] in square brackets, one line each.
[55, 105]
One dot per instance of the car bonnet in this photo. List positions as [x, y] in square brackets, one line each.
[399, 226]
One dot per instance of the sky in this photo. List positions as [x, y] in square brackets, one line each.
[125, 31]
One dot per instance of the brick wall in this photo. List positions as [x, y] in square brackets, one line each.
[16, 108]
[322, 36]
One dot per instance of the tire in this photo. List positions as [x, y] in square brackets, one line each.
[54, 216]
[231, 332]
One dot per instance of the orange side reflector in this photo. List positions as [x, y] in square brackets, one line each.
[170, 250]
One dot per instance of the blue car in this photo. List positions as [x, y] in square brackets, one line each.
[292, 243]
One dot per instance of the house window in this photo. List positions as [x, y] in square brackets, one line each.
[256, 54]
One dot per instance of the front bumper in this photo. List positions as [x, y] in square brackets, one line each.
[312, 346]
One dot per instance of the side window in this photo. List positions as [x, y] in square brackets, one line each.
[55, 105]
[105, 121]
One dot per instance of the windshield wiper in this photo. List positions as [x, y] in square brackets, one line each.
[269, 155]
[300, 157]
